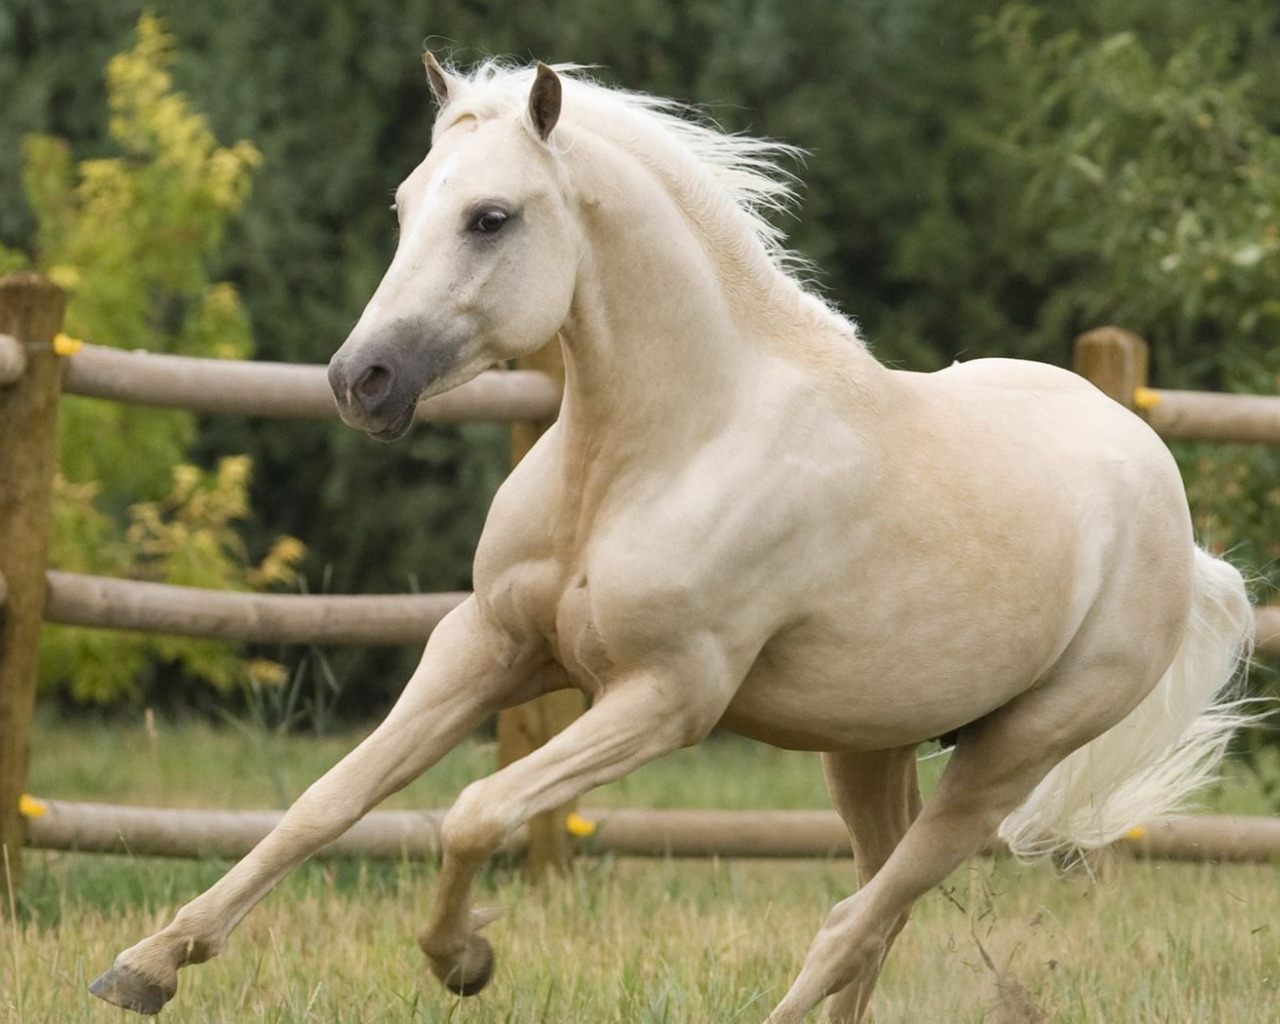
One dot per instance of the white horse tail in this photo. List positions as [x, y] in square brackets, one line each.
[1149, 763]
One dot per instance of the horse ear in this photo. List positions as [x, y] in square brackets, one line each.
[440, 80]
[544, 101]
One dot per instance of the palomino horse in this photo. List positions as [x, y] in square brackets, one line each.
[743, 519]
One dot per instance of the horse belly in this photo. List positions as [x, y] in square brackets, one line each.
[875, 711]
[895, 677]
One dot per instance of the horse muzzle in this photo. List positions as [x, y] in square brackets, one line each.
[373, 394]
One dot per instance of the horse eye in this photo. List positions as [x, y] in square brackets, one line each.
[489, 222]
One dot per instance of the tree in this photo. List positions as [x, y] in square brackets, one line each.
[130, 237]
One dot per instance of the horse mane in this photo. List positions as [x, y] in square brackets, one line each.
[730, 184]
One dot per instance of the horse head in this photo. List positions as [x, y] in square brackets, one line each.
[485, 265]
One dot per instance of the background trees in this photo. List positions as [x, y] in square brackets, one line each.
[977, 184]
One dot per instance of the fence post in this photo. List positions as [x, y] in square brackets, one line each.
[525, 728]
[1114, 361]
[31, 309]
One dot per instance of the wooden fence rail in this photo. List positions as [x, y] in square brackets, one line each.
[1209, 416]
[1267, 630]
[283, 390]
[94, 601]
[415, 835]
[193, 834]
[1116, 362]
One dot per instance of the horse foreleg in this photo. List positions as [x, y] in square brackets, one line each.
[627, 727]
[459, 682]
[877, 795]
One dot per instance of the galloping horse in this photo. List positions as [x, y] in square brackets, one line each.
[743, 519]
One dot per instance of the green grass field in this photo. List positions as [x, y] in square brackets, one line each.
[617, 940]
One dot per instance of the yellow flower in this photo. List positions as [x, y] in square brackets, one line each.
[268, 673]
[30, 807]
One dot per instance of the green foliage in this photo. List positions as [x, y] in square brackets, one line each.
[131, 237]
[1152, 200]
[1153, 190]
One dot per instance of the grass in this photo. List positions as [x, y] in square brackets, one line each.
[168, 765]
[616, 940]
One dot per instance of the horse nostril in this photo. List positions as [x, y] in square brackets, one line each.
[372, 386]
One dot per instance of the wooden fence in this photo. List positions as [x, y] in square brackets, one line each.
[1116, 361]
[35, 368]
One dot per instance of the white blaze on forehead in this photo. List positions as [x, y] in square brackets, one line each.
[396, 282]
[431, 194]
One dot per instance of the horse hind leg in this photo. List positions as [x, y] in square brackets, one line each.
[877, 794]
[997, 763]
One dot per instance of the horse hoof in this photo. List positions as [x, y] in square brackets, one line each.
[123, 986]
[471, 972]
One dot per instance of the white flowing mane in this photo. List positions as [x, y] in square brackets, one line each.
[729, 184]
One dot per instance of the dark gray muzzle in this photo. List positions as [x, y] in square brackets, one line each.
[373, 393]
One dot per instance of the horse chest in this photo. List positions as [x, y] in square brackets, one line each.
[599, 629]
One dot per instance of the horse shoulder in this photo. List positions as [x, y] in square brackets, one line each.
[725, 546]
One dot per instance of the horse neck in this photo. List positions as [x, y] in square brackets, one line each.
[650, 346]
[667, 339]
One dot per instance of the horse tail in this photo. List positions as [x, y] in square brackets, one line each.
[1149, 763]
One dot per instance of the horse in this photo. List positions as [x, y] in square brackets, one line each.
[742, 519]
